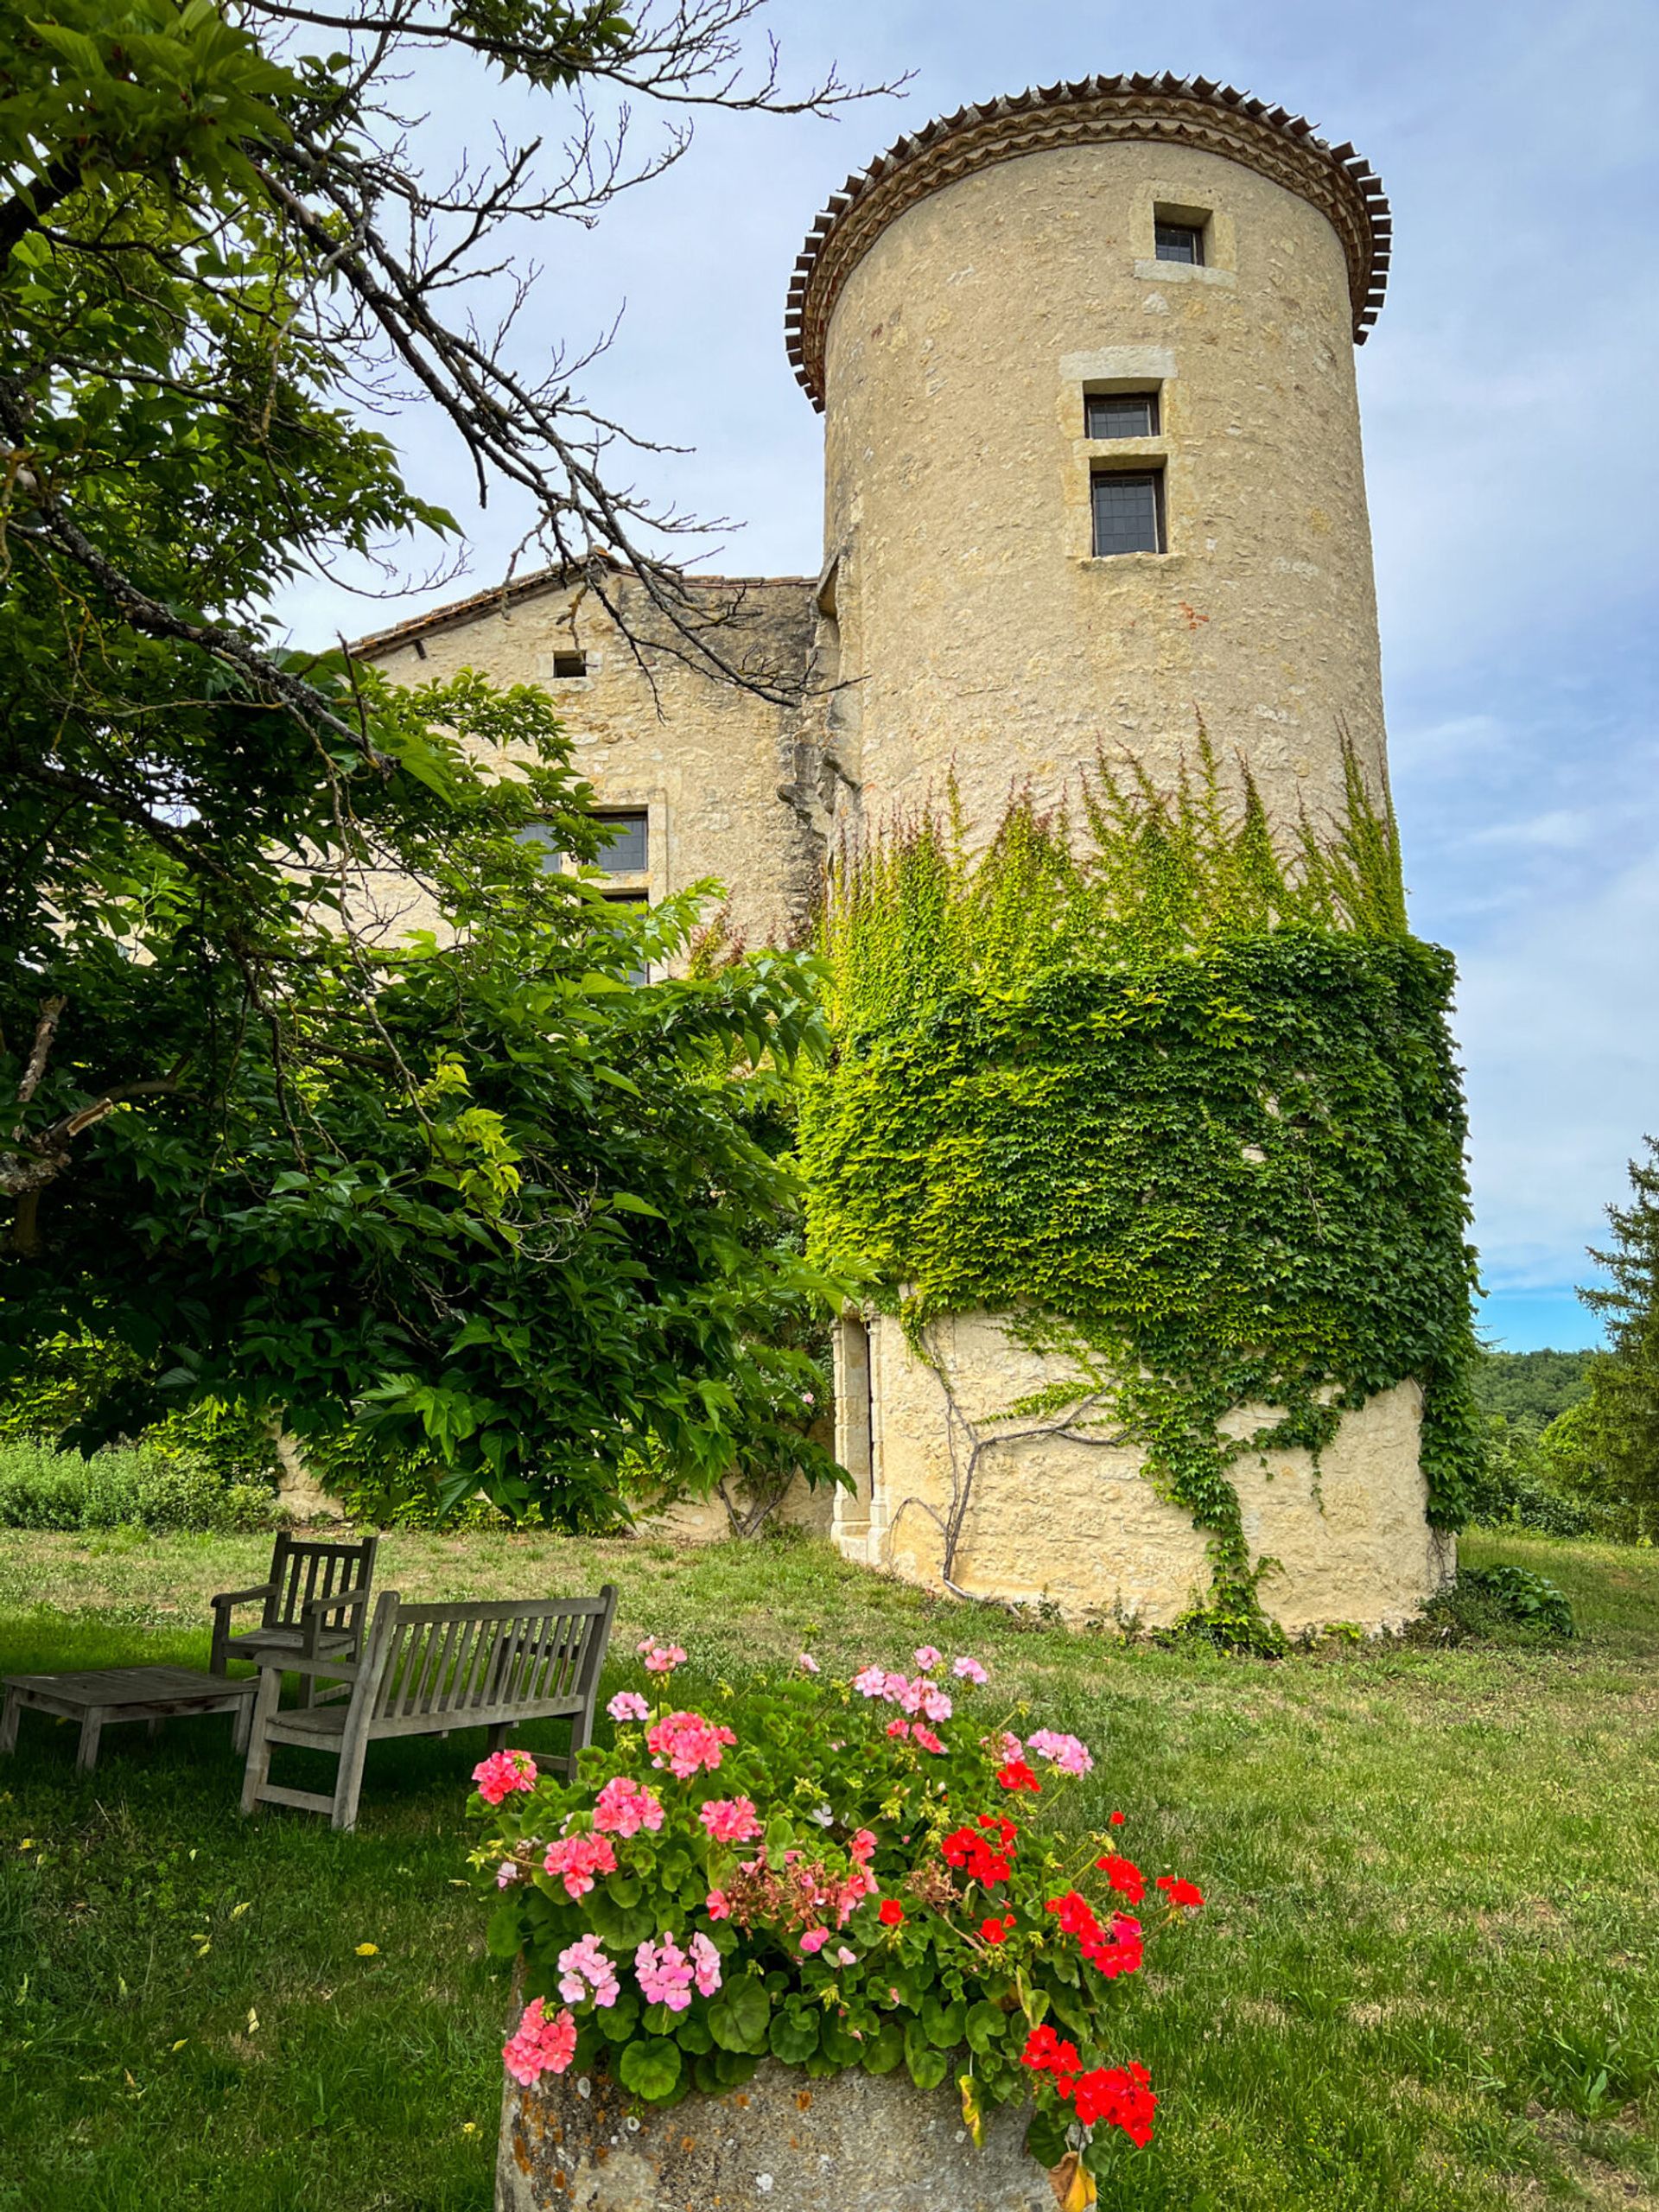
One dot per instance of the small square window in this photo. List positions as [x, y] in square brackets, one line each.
[1121, 414]
[1178, 242]
[626, 847]
[1128, 510]
[569, 665]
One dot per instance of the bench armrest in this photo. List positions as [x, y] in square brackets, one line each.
[228, 1597]
[223, 1602]
[314, 1616]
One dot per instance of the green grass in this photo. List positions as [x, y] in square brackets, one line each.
[1424, 1981]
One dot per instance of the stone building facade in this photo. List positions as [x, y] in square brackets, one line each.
[1093, 478]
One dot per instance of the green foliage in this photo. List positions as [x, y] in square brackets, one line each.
[459, 1192]
[1486, 1601]
[1534, 1386]
[1526, 1480]
[1615, 1437]
[151, 1486]
[1183, 1110]
[827, 1889]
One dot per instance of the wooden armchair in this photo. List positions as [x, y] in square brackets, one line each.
[313, 1602]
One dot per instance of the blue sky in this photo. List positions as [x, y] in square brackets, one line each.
[1510, 398]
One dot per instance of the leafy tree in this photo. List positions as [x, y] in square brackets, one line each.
[467, 1183]
[1617, 1432]
[1530, 1385]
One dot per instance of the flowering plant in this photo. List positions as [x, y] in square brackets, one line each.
[871, 1872]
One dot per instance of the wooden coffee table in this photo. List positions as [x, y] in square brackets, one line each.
[110, 1694]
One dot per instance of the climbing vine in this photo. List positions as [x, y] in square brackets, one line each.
[1176, 1103]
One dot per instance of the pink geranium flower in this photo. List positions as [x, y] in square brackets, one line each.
[661, 1658]
[625, 1807]
[705, 1965]
[1066, 1752]
[577, 1859]
[503, 1772]
[814, 1940]
[926, 1657]
[731, 1820]
[717, 1905]
[872, 1682]
[540, 2045]
[629, 1704]
[686, 1745]
[807, 1664]
[584, 1966]
[665, 1974]
[969, 1670]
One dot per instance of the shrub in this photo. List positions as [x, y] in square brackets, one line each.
[833, 1874]
[141, 1486]
[1486, 1601]
[1519, 1485]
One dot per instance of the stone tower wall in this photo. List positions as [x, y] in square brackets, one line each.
[978, 633]
[953, 311]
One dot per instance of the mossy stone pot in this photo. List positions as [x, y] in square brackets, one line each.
[855, 2142]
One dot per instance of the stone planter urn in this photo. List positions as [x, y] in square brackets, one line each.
[856, 2142]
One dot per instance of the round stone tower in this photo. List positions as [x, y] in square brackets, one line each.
[1093, 444]
[1093, 481]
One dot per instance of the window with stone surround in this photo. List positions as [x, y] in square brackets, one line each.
[1178, 238]
[1128, 510]
[1121, 414]
[626, 849]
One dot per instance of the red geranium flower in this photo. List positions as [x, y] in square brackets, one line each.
[892, 1912]
[1181, 1892]
[994, 1931]
[1117, 1820]
[1016, 1774]
[1124, 1876]
[1005, 1831]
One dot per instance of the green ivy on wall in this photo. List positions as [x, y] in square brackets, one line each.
[1172, 1102]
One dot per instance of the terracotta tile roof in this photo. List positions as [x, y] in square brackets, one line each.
[1189, 111]
[500, 597]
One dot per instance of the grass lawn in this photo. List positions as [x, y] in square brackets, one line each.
[1424, 1979]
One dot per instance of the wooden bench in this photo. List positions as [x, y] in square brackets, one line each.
[424, 1670]
[102, 1696]
[309, 1582]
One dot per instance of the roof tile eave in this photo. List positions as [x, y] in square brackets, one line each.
[1358, 208]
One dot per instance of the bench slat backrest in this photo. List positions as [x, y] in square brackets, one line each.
[452, 1664]
[301, 1570]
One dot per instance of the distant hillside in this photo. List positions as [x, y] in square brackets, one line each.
[1533, 1386]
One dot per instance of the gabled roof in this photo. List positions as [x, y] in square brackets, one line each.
[499, 597]
[1182, 111]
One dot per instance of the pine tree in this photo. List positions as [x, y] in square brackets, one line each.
[1622, 1416]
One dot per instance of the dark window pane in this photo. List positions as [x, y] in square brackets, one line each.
[1123, 414]
[625, 850]
[1129, 512]
[544, 837]
[640, 973]
[566, 664]
[1178, 242]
